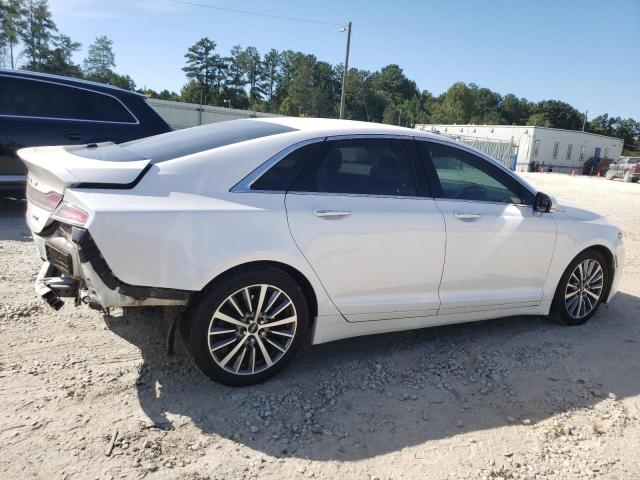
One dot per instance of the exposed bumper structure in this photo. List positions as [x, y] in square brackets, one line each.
[74, 268]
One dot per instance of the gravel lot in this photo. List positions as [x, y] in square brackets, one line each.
[88, 396]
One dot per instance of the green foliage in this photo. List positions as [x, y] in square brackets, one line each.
[206, 67]
[36, 30]
[60, 59]
[12, 14]
[100, 60]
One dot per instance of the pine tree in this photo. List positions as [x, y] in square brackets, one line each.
[37, 31]
[12, 14]
[100, 60]
[206, 67]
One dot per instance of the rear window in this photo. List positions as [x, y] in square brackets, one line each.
[633, 160]
[22, 97]
[198, 139]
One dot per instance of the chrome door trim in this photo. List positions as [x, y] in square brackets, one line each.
[327, 212]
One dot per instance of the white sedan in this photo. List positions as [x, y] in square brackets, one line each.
[274, 232]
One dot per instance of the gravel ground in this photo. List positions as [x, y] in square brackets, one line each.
[89, 396]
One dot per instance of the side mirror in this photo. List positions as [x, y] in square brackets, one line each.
[544, 203]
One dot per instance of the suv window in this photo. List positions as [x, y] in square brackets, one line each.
[282, 174]
[34, 98]
[360, 166]
[465, 176]
[633, 160]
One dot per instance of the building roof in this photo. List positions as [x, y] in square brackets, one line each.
[534, 127]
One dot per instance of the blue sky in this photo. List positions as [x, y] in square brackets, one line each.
[586, 53]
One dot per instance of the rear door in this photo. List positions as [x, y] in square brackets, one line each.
[498, 248]
[374, 239]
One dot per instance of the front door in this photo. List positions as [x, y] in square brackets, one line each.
[376, 244]
[498, 248]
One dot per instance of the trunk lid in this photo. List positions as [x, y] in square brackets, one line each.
[54, 169]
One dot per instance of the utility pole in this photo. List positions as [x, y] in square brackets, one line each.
[584, 121]
[346, 67]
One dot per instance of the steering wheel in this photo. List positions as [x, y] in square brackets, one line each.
[468, 190]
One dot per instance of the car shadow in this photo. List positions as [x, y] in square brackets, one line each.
[362, 397]
[12, 213]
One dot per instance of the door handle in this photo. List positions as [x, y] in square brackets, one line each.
[325, 212]
[73, 135]
[467, 216]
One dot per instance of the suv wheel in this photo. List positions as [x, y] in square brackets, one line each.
[248, 327]
[609, 175]
[627, 176]
[581, 288]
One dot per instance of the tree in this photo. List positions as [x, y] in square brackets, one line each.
[100, 60]
[60, 59]
[12, 14]
[251, 65]
[270, 72]
[456, 105]
[558, 114]
[206, 67]
[121, 81]
[37, 31]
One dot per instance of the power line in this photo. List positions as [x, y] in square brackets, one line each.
[256, 14]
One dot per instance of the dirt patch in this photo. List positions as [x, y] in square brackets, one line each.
[88, 396]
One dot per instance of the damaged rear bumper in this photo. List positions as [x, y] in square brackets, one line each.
[74, 268]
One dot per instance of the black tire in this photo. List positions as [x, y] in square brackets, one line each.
[559, 310]
[200, 321]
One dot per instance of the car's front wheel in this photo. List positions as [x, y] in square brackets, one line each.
[248, 326]
[581, 289]
[609, 175]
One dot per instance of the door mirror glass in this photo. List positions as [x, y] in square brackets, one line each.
[543, 203]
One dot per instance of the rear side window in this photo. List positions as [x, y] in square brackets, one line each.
[633, 160]
[360, 166]
[34, 98]
[282, 174]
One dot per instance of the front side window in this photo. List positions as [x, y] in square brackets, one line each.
[465, 176]
[360, 166]
[22, 97]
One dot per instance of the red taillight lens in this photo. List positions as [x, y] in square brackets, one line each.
[47, 201]
[634, 168]
[68, 213]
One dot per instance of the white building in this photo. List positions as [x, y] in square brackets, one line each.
[549, 148]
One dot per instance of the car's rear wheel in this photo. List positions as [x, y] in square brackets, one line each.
[581, 289]
[248, 326]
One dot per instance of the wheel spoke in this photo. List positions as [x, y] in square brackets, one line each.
[580, 304]
[247, 298]
[238, 363]
[592, 295]
[279, 310]
[252, 359]
[272, 300]
[275, 344]
[263, 293]
[277, 323]
[263, 350]
[277, 332]
[224, 343]
[595, 274]
[222, 332]
[235, 305]
[569, 295]
[233, 351]
[226, 318]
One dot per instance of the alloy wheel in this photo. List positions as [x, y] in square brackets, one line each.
[584, 288]
[252, 329]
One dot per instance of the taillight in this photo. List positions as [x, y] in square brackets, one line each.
[68, 213]
[47, 201]
[634, 168]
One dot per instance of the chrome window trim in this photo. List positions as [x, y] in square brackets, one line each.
[137, 122]
[484, 157]
[12, 178]
[244, 185]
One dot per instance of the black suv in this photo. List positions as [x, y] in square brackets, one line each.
[627, 167]
[38, 109]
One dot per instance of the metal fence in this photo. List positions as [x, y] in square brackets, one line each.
[502, 151]
[184, 115]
